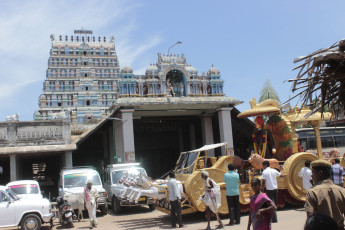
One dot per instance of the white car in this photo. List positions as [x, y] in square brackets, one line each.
[27, 213]
[28, 189]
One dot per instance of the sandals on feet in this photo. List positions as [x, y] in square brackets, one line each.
[220, 226]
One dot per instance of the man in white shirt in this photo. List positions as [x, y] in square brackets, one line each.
[269, 180]
[90, 195]
[305, 173]
[175, 201]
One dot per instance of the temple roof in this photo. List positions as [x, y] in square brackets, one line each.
[128, 101]
[173, 106]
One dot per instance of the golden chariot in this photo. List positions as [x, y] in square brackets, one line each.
[190, 164]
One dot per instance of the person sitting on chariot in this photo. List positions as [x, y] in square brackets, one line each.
[263, 140]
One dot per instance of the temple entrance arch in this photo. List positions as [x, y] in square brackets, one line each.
[175, 83]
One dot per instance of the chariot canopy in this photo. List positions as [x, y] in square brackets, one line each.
[209, 147]
[267, 107]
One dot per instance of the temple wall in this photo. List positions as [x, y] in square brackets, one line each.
[16, 134]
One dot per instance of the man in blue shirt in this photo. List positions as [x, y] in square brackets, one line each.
[337, 173]
[231, 180]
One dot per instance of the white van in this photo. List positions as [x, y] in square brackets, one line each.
[73, 181]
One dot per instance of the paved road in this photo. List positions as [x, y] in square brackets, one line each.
[141, 218]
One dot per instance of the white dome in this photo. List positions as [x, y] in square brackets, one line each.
[126, 69]
[190, 69]
[213, 70]
[152, 69]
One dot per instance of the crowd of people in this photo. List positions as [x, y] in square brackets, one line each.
[325, 194]
[324, 206]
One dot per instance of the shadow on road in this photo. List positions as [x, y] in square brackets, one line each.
[162, 221]
[125, 211]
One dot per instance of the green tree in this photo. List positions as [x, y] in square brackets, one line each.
[268, 92]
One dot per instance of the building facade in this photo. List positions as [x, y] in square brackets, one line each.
[171, 76]
[81, 79]
[148, 118]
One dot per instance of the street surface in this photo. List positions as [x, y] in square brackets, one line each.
[291, 218]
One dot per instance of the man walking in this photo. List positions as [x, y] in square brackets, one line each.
[269, 180]
[325, 197]
[90, 195]
[337, 173]
[175, 201]
[305, 173]
[231, 180]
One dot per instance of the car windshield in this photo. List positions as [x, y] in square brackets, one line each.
[80, 179]
[12, 194]
[116, 175]
[25, 189]
[186, 162]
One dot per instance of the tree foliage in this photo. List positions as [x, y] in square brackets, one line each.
[268, 92]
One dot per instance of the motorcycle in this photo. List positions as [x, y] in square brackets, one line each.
[66, 213]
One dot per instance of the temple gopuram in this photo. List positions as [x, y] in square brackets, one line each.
[108, 114]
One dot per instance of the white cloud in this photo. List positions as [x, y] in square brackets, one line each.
[25, 27]
[129, 54]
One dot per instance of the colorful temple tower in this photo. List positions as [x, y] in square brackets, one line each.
[83, 79]
[80, 79]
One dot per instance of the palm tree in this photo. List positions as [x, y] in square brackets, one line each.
[268, 92]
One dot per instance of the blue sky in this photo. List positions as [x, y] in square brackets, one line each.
[249, 41]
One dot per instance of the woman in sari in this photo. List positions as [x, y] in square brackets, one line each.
[212, 199]
[261, 208]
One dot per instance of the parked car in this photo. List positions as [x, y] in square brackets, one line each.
[27, 213]
[26, 189]
[112, 175]
[73, 181]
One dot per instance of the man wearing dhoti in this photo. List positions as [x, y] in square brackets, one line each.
[90, 195]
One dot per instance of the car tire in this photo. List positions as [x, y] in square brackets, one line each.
[31, 222]
[116, 205]
[152, 207]
[104, 209]
[70, 223]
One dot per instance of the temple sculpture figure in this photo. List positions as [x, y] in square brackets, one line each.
[263, 141]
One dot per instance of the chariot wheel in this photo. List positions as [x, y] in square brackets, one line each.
[292, 167]
[194, 187]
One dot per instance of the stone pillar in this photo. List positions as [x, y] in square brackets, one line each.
[68, 159]
[180, 139]
[207, 132]
[119, 139]
[106, 151]
[225, 128]
[128, 135]
[111, 144]
[192, 136]
[13, 168]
